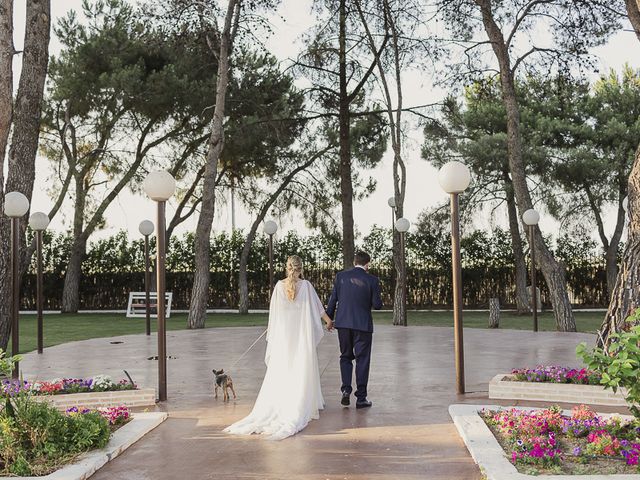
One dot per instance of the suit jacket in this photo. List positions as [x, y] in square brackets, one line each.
[355, 293]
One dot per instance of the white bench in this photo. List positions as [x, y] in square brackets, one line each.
[138, 302]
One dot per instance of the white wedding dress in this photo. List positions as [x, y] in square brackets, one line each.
[290, 395]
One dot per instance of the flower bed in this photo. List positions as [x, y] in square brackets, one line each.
[36, 439]
[548, 442]
[97, 392]
[556, 374]
[505, 386]
[115, 416]
[100, 383]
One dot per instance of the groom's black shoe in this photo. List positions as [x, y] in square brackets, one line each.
[363, 403]
[345, 402]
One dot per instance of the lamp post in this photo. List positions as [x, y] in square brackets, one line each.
[402, 225]
[531, 218]
[270, 228]
[38, 222]
[16, 205]
[454, 178]
[146, 229]
[160, 186]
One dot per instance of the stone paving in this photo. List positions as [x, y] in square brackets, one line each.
[407, 435]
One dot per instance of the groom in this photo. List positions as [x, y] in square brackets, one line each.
[355, 293]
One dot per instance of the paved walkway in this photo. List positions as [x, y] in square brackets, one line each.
[407, 435]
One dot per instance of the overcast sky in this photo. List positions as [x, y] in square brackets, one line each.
[422, 187]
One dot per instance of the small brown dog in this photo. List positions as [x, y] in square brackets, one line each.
[222, 380]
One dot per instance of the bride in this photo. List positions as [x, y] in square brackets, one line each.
[290, 395]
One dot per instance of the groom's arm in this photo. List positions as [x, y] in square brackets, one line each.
[333, 300]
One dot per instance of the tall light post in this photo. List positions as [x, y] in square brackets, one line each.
[454, 178]
[16, 205]
[270, 228]
[160, 186]
[38, 222]
[531, 218]
[146, 229]
[402, 225]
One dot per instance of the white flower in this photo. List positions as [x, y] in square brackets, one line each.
[102, 381]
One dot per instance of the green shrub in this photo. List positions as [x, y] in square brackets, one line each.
[36, 439]
[619, 365]
[7, 363]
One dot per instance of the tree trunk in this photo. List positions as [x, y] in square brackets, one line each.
[26, 114]
[625, 298]
[610, 247]
[346, 183]
[611, 266]
[71, 289]
[200, 290]
[6, 109]
[399, 250]
[611, 251]
[399, 294]
[611, 260]
[399, 169]
[553, 272]
[6, 79]
[243, 287]
[633, 11]
[26, 125]
[494, 313]
[523, 306]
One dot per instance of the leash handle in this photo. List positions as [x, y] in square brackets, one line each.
[248, 349]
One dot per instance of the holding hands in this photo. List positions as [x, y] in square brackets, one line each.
[328, 322]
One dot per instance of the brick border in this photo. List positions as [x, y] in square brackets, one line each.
[499, 388]
[123, 438]
[143, 397]
[489, 455]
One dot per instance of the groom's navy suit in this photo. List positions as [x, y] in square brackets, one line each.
[355, 293]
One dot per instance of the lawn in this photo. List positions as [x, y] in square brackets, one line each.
[66, 328]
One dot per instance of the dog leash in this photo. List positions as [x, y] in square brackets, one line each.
[248, 349]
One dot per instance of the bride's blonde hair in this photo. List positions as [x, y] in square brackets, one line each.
[294, 272]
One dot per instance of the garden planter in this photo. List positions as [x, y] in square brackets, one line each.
[501, 387]
[491, 457]
[130, 398]
[87, 464]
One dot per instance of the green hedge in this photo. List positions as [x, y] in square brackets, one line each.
[113, 267]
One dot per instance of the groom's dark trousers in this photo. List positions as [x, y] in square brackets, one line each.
[355, 293]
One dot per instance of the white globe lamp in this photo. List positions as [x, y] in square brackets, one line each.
[146, 227]
[159, 185]
[15, 204]
[531, 217]
[270, 227]
[38, 221]
[454, 177]
[403, 225]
